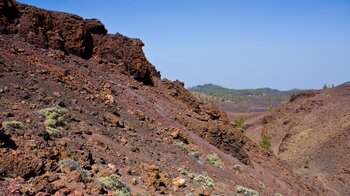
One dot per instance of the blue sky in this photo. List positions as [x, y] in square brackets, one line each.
[234, 43]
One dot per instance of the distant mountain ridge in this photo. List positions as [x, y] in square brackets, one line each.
[344, 84]
[239, 95]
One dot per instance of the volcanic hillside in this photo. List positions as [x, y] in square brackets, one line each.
[84, 113]
[312, 134]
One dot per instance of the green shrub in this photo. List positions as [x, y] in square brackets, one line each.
[325, 86]
[215, 160]
[205, 179]
[54, 116]
[12, 124]
[265, 140]
[246, 191]
[123, 192]
[72, 165]
[53, 132]
[113, 182]
[239, 122]
[202, 178]
[307, 162]
[53, 119]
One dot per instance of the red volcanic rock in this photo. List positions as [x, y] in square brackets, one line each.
[76, 36]
[95, 27]
[127, 55]
[8, 13]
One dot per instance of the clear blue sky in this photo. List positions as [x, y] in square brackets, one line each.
[281, 44]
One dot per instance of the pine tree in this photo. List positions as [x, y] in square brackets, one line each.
[325, 86]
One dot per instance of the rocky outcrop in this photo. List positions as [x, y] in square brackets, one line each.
[177, 90]
[126, 54]
[75, 36]
[304, 94]
[95, 26]
[229, 140]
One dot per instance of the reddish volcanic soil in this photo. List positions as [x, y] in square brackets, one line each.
[83, 112]
[312, 134]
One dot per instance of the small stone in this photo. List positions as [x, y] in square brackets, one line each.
[74, 101]
[135, 149]
[111, 118]
[261, 185]
[195, 154]
[109, 99]
[7, 114]
[179, 182]
[238, 167]
[175, 133]
[134, 181]
[111, 166]
[201, 192]
[95, 168]
[57, 94]
[62, 143]
[88, 132]
[123, 141]
[120, 124]
[62, 104]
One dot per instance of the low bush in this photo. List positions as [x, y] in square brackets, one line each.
[239, 122]
[114, 182]
[67, 165]
[246, 191]
[12, 124]
[205, 179]
[215, 160]
[265, 140]
[54, 117]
